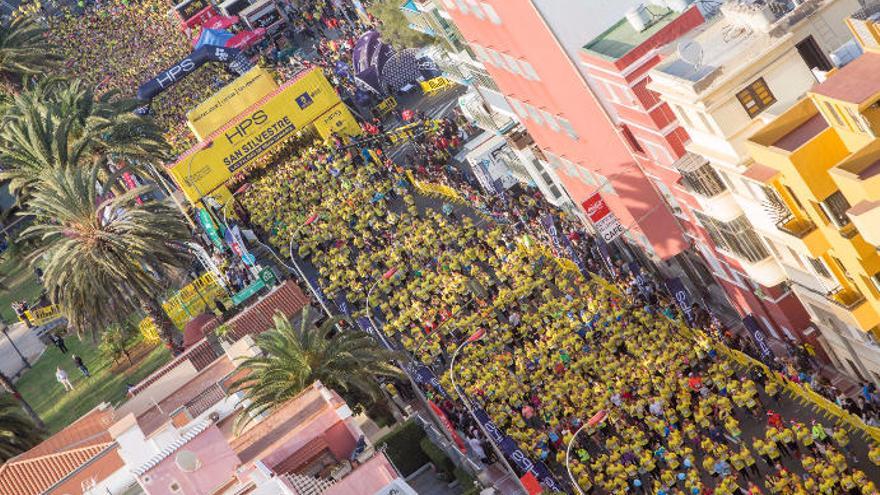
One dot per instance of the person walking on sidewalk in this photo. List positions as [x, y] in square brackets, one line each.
[63, 379]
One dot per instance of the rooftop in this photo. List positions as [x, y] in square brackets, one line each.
[799, 136]
[59, 456]
[856, 82]
[620, 38]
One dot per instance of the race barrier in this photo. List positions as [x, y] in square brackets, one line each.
[190, 301]
[386, 106]
[436, 84]
[41, 316]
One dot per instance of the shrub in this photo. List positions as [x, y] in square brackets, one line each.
[403, 447]
[439, 458]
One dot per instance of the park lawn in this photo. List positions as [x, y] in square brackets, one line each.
[57, 408]
[18, 282]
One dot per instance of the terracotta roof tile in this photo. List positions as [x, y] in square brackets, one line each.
[59, 455]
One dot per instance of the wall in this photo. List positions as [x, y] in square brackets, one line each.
[563, 93]
[218, 463]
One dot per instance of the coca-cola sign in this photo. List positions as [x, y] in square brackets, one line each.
[606, 223]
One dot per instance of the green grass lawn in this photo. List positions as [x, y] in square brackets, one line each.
[19, 282]
[57, 408]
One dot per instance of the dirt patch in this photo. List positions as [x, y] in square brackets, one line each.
[137, 353]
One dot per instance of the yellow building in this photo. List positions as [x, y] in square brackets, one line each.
[820, 159]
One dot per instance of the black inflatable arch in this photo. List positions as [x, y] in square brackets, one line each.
[232, 57]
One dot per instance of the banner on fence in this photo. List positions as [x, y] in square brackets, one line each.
[510, 449]
[760, 338]
[41, 316]
[682, 297]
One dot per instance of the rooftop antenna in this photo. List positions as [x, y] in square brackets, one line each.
[691, 52]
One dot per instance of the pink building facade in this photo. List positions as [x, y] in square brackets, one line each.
[591, 114]
[568, 122]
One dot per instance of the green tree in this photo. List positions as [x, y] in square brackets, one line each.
[395, 27]
[60, 123]
[103, 257]
[17, 432]
[114, 342]
[24, 51]
[294, 358]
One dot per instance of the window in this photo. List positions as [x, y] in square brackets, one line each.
[519, 108]
[835, 207]
[605, 184]
[819, 267]
[462, 6]
[587, 176]
[631, 139]
[875, 281]
[795, 257]
[476, 9]
[567, 126]
[667, 195]
[703, 180]
[551, 121]
[490, 13]
[536, 115]
[682, 114]
[829, 108]
[174, 487]
[482, 55]
[512, 64]
[756, 97]
[529, 71]
[736, 236]
[856, 119]
[449, 4]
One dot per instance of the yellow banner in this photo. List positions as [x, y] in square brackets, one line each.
[292, 107]
[436, 84]
[231, 100]
[192, 300]
[41, 316]
[386, 105]
[337, 120]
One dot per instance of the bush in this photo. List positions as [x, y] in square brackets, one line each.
[403, 447]
[439, 458]
[466, 482]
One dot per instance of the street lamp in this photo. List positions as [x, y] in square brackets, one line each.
[299, 270]
[592, 422]
[464, 398]
[385, 276]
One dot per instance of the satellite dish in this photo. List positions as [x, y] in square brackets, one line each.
[691, 52]
[187, 461]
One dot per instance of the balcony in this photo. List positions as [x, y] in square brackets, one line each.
[865, 216]
[849, 231]
[807, 233]
[846, 298]
[722, 206]
[766, 272]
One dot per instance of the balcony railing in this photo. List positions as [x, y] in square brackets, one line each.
[845, 297]
[849, 231]
[798, 227]
[698, 176]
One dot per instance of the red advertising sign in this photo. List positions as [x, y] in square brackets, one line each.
[448, 425]
[596, 208]
[605, 222]
[200, 17]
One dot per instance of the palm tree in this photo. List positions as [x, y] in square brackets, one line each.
[9, 387]
[60, 123]
[104, 256]
[24, 51]
[17, 433]
[294, 358]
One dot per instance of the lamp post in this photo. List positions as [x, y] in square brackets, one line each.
[567, 454]
[299, 270]
[464, 398]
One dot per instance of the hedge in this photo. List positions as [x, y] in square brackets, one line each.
[404, 447]
[438, 457]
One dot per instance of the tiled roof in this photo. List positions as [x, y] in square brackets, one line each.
[58, 456]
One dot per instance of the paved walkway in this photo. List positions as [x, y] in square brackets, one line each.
[27, 342]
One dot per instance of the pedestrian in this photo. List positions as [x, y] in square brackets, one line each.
[63, 379]
[59, 342]
[81, 365]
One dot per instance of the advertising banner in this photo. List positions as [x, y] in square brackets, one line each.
[510, 449]
[605, 222]
[199, 57]
[257, 130]
[682, 297]
[210, 228]
[760, 338]
[225, 104]
[448, 425]
[41, 316]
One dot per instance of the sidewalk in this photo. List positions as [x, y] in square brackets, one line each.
[27, 341]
